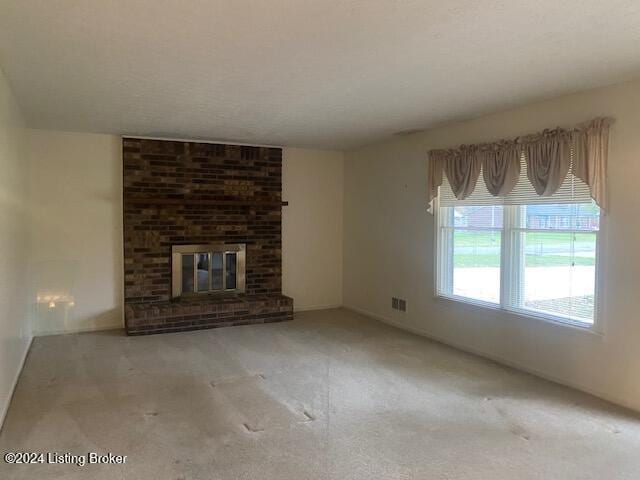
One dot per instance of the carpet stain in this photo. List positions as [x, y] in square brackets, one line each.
[520, 432]
[251, 429]
[235, 379]
[515, 428]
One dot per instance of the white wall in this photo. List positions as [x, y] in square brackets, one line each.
[76, 233]
[15, 329]
[312, 183]
[389, 240]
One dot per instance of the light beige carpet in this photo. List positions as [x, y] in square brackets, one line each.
[331, 395]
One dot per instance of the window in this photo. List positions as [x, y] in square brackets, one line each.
[523, 253]
[471, 241]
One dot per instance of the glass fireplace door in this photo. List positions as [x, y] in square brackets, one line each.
[208, 269]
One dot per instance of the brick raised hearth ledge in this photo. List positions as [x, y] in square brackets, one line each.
[208, 312]
[178, 193]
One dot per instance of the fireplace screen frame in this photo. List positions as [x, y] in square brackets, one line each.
[178, 251]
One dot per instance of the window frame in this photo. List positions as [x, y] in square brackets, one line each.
[596, 327]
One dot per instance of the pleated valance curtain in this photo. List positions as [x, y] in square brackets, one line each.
[549, 157]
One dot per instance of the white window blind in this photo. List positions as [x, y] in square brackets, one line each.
[572, 190]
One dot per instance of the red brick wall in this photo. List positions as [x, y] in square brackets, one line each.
[188, 192]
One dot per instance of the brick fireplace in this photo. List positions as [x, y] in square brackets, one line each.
[182, 194]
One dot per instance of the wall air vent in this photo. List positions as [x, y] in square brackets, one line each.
[398, 304]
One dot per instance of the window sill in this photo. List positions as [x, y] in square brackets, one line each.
[549, 319]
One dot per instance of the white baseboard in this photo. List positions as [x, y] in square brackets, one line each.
[46, 333]
[7, 403]
[307, 308]
[496, 358]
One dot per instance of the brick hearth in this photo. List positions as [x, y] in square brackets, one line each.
[200, 193]
[198, 313]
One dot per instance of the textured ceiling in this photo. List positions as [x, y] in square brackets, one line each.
[314, 73]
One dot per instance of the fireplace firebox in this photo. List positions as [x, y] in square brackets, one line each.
[213, 268]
